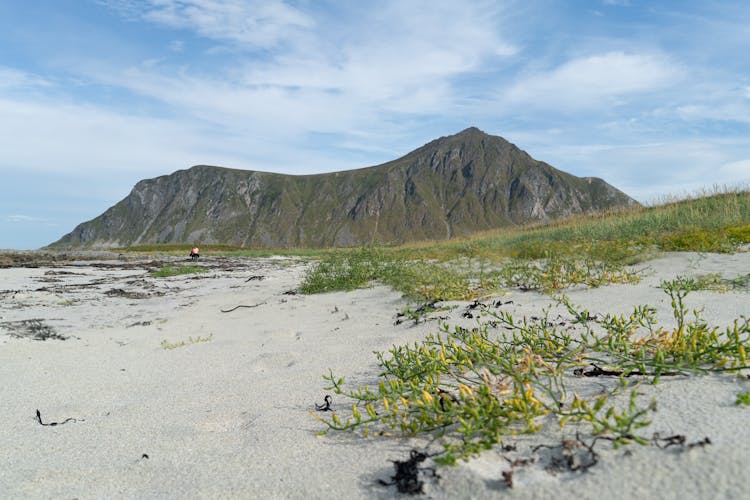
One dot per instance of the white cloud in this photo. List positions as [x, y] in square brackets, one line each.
[593, 81]
[23, 218]
[719, 110]
[739, 170]
[396, 59]
[258, 23]
[39, 135]
[648, 171]
[11, 78]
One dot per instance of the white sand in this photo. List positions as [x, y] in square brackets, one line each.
[231, 417]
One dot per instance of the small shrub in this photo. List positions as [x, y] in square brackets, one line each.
[711, 282]
[348, 270]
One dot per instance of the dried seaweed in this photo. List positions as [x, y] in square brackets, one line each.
[326, 406]
[34, 329]
[597, 371]
[407, 478]
[676, 440]
[119, 292]
[573, 455]
[139, 323]
[419, 314]
[680, 441]
[241, 305]
[53, 424]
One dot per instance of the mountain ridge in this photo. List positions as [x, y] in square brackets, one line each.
[452, 186]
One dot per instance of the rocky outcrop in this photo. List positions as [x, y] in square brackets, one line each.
[452, 186]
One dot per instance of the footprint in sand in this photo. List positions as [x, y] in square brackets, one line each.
[222, 423]
[272, 361]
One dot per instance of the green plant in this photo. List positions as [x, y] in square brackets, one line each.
[714, 282]
[470, 388]
[743, 398]
[554, 272]
[467, 278]
[191, 340]
[618, 426]
[416, 279]
[348, 270]
[740, 234]
[167, 271]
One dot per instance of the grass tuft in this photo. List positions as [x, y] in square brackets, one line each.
[743, 398]
[167, 271]
[166, 345]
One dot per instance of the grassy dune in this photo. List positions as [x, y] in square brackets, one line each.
[590, 250]
[712, 222]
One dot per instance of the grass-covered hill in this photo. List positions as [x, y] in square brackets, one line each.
[452, 186]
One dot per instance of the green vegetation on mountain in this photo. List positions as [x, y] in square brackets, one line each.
[451, 187]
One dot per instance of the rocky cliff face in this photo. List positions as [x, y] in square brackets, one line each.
[452, 186]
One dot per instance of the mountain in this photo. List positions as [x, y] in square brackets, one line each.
[449, 187]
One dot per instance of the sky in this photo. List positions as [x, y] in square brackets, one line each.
[652, 96]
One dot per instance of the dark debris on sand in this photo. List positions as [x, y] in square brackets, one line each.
[34, 329]
[407, 478]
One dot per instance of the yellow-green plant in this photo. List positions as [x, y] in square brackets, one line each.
[468, 388]
[743, 398]
[165, 344]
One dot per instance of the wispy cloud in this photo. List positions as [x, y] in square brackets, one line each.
[249, 23]
[39, 135]
[396, 58]
[12, 78]
[595, 81]
[736, 171]
[652, 169]
[17, 218]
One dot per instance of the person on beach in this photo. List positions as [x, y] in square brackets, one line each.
[194, 254]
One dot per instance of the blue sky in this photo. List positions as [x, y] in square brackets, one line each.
[95, 95]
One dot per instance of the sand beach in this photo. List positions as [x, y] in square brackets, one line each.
[206, 386]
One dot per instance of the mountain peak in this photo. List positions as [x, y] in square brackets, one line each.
[471, 131]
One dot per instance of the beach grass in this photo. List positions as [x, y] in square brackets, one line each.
[715, 221]
[590, 250]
